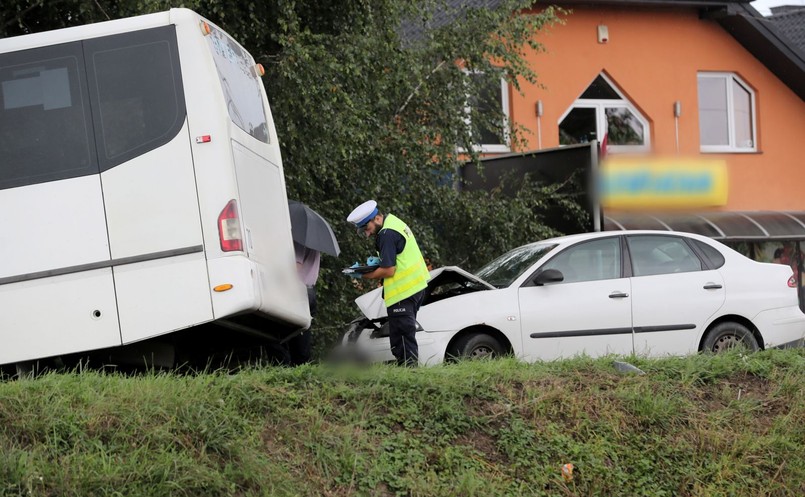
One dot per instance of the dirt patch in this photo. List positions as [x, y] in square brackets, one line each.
[483, 443]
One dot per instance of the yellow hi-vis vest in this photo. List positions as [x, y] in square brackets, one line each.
[411, 274]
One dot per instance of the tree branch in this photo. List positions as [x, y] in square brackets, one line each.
[18, 17]
[104, 12]
[411, 95]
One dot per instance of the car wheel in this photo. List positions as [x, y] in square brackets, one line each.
[477, 346]
[728, 335]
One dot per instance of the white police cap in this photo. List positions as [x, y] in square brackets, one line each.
[363, 213]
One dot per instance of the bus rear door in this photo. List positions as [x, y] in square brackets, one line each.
[263, 203]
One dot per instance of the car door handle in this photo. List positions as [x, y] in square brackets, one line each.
[618, 295]
[712, 286]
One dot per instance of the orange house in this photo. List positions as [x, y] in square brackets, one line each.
[659, 57]
[697, 82]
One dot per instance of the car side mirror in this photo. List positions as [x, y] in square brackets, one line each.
[548, 276]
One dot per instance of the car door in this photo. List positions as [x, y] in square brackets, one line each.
[674, 294]
[589, 312]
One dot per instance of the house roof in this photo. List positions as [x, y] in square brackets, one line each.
[773, 44]
[762, 39]
[791, 22]
[414, 29]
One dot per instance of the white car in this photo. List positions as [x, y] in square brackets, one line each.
[648, 293]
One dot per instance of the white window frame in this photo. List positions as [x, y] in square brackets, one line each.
[731, 148]
[504, 102]
[600, 106]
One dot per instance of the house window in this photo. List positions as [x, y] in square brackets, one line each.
[492, 97]
[602, 110]
[726, 114]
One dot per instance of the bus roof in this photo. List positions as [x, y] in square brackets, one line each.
[105, 28]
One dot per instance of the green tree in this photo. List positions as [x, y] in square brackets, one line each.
[370, 101]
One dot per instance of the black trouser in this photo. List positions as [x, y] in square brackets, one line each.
[402, 329]
[299, 346]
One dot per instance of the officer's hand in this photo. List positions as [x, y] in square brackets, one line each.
[373, 261]
[355, 275]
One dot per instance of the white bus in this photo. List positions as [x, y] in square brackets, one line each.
[141, 189]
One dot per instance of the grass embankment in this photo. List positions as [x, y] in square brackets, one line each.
[703, 426]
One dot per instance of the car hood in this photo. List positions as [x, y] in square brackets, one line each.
[372, 306]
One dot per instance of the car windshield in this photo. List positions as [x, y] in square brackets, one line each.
[508, 267]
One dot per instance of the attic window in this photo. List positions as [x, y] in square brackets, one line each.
[602, 110]
[726, 114]
[600, 90]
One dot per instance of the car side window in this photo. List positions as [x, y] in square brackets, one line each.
[716, 258]
[589, 261]
[653, 255]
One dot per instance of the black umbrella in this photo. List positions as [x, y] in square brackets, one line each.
[311, 230]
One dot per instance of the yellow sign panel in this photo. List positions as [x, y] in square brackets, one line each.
[663, 183]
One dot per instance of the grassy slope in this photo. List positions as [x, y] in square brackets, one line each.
[704, 426]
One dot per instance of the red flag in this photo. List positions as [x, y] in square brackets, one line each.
[603, 152]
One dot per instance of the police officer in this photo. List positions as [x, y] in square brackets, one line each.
[404, 274]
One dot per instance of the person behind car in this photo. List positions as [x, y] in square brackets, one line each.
[403, 271]
[778, 256]
[308, 262]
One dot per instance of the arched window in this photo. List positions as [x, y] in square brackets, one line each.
[602, 110]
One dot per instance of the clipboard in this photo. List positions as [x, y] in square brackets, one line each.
[359, 269]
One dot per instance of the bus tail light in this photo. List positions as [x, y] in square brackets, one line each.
[229, 228]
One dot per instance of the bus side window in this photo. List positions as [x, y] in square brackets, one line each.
[45, 132]
[136, 89]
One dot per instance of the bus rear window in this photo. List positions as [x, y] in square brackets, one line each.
[44, 117]
[241, 87]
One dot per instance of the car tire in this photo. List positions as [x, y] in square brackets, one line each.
[727, 335]
[476, 346]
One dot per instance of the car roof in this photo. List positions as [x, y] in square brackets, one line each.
[604, 234]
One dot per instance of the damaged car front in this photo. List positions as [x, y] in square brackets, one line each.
[462, 315]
